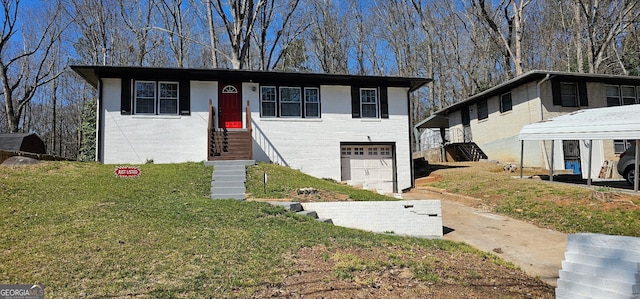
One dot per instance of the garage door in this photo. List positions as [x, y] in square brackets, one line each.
[368, 166]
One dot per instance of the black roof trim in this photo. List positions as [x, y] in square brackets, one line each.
[93, 73]
[536, 75]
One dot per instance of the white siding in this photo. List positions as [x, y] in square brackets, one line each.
[313, 145]
[163, 139]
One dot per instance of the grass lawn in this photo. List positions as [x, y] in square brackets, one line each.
[82, 232]
[563, 207]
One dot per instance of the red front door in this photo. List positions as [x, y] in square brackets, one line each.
[229, 106]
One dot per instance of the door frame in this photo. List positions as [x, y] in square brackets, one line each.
[222, 89]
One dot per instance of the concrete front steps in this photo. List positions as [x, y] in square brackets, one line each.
[228, 179]
[296, 207]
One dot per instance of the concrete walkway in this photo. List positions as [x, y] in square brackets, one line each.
[537, 251]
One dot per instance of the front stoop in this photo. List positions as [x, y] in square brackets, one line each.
[228, 178]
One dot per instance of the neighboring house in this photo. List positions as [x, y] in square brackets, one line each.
[342, 127]
[493, 118]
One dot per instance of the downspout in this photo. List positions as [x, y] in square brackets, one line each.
[544, 148]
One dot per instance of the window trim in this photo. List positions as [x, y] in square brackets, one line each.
[281, 101]
[160, 98]
[502, 106]
[157, 99]
[376, 103]
[302, 103]
[275, 101]
[306, 102]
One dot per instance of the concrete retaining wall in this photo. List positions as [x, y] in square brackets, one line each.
[600, 266]
[419, 218]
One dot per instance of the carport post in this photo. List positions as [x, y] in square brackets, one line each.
[589, 167]
[635, 169]
[521, 156]
[553, 142]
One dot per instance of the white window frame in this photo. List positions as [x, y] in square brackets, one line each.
[308, 102]
[289, 101]
[176, 99]
[273, 101]
[156, 98]
[364, 103]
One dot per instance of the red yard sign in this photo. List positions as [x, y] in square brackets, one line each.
[127, 171]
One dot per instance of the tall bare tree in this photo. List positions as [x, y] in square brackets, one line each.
[25, 65]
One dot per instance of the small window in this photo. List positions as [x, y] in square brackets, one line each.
[290, 101]
[628, 95]
[168, 100]
[346, 151]
[268, 100]
[385, 151]
[505, 102]
[145, 97]
[373, 151]
[619, 146]
[358, 151]
[311, 102]
[369, 102]
[569, 94]
[613, 95]
[483, 110]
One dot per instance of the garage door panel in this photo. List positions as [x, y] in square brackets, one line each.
[369, 167]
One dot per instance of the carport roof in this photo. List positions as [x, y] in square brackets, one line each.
[621, 122]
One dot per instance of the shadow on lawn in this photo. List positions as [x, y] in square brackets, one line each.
[422, 168]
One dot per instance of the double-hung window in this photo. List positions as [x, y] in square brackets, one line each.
[290, 102]
[268, 101]
[369, 102]
[621, 95]
[569, 94]
[311, 102]
[153, 97]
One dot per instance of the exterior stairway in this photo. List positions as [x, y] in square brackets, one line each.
[229, 179]
[230, 144]
[297, 208]
[468, 151]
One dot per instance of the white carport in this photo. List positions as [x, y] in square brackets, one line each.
[620, 122]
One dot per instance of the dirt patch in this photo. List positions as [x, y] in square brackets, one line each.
[392, 272]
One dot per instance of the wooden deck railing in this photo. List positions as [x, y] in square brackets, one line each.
[215, 143]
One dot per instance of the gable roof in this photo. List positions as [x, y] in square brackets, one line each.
[537, 75]
[620, 122]
[92, 74]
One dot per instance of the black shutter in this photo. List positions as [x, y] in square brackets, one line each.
[555, 91]
[125, 96]
[582, 93]
[185, 97]
[384, 103]
[355, 102]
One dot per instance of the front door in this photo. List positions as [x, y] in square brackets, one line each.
[229, 107]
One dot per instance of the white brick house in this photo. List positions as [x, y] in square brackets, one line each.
[343, 127]
[493, 118]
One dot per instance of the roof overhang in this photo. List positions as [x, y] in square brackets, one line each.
[92, 74]
[538, 75]
[433, 121]
[621, 122]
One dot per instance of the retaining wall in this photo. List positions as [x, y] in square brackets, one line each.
[418, 218]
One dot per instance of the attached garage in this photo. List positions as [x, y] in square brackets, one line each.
[369, 166]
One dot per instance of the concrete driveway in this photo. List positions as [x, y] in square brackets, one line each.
[537, 251]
